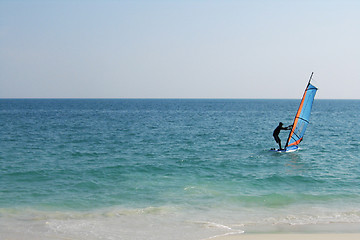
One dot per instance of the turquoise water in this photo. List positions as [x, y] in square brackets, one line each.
[192, 169]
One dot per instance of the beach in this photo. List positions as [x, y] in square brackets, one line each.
[346, 236]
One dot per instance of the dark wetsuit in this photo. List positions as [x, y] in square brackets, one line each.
[276, 134]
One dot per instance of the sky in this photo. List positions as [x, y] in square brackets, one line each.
[179, 49]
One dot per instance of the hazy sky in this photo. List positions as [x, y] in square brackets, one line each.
[179, 49]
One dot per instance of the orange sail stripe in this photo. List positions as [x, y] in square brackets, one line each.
[295, 143]
[297, 117]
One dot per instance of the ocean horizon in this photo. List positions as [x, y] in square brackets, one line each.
[162, 98]
[186, 168]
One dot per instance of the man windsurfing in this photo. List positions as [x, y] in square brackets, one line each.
[277, 131]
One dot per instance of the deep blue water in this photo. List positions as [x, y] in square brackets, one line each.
[198, 156]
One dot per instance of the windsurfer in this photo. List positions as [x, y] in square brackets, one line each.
[277, 131]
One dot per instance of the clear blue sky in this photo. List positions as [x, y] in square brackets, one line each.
[179, 49]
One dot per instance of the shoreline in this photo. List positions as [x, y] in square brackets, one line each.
[289, 236]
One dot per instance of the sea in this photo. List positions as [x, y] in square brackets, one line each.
[189, 169]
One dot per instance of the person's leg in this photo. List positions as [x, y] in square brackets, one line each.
[280, 144]
[277, 140]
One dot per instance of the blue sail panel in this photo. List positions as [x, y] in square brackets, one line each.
[302, 117]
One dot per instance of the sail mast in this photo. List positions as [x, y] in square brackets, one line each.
[310, 77]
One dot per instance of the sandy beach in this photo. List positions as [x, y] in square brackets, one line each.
[343, 236]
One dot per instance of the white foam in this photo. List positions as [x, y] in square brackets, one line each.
[115, 223]
[161, 222]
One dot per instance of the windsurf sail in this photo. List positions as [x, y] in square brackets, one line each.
[302, 116]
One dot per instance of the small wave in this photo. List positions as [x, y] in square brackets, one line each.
[220, 226]
[36, 214]
[215, 225]
[311, 217]
[226, 234]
